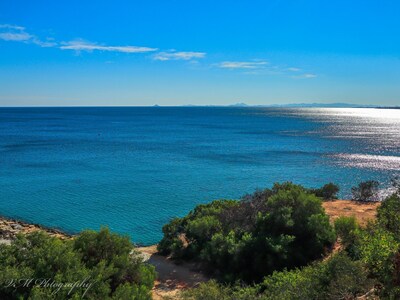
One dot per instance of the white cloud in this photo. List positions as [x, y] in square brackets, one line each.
[16, 33]
[79, 45]
[242, 64]
[15, 27]
[15, 36]
[44, 44]
[305, 76]
[263, 67]
[163, 56]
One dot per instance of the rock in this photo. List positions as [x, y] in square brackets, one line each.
[16, 226]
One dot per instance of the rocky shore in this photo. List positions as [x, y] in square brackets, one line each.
[9, 228]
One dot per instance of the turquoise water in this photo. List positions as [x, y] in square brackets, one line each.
[135, 168]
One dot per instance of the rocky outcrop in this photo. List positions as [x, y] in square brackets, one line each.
[9, 229]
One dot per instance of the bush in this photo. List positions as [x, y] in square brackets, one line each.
[395, 181]
[389, 215]
[366, 191]
[328, 192]
[375, 247]
[212, 290]
[285, 227]
[347, 229]
[102, 259]
[371, 259]
[337, 278]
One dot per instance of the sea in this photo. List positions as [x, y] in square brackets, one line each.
[135, 168]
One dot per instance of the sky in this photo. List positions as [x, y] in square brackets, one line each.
[100, 53]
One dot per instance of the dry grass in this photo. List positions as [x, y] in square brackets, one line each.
[362, 211]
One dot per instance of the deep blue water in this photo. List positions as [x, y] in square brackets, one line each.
[135, 168]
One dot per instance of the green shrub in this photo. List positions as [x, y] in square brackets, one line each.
[346, 278]
[347, 229]
[251, 238]
[291, 223]
[389, 215]
[101, 259]
[171, 242]
[336, 278]
[212, 290]
[366, 191]
[328, 192]
[376, 246]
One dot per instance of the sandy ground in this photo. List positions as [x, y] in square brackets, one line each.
[362, 211]
[172, 278]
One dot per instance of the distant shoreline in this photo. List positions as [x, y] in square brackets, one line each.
[240, 105]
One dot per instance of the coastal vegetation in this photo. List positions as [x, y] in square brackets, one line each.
[366, 191]
[94, 265]
[279, 244]
[274, 244]
[273, 229]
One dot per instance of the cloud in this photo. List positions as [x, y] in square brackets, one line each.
[16, 33]
[80, 45]
[15, 36]
[263, 67]
[164, 56]
[305, 76]
[15, 27]
[242, 64]
[44, 44]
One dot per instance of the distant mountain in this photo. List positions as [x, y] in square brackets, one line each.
[239, 105]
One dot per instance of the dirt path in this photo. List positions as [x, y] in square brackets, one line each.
[172, 278]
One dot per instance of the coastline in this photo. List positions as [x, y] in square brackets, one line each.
[363, 211]
[172, 278]
[10, 227]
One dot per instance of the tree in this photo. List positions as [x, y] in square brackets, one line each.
[328, 192]
[285, 227]
[105, 262]
[395, 181]
[388, 214]
[375, 247]
[366, 191]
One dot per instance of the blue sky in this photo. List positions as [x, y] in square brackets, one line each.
[198, 52]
